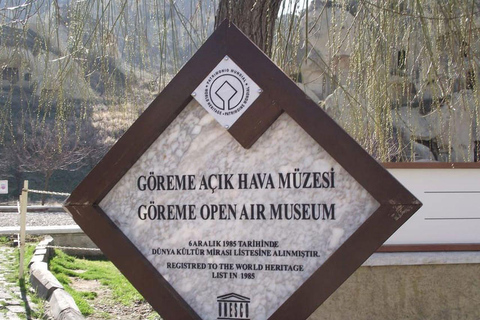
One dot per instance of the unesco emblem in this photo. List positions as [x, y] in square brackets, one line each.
[233, 306]
[227, 92]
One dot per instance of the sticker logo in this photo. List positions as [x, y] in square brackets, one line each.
[227, 92]
[3, 186]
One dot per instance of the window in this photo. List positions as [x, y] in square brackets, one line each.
[476, 152]
[470, 79]
[401, 60]
[465, 49]
[27, 76]
[10, 74]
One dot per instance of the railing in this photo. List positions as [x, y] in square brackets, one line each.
[33, 208]
[22, 209]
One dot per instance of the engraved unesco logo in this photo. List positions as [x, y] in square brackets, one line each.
[233, 306]
[227, 91]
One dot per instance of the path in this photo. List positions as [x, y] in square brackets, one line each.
[10, 219]
[12, 305]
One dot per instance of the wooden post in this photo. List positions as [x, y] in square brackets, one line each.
[23, 219]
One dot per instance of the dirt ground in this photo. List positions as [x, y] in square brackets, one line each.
[107, 308]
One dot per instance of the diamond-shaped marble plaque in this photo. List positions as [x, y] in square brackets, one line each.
[227, 92]
[264, 220]
[251, 217]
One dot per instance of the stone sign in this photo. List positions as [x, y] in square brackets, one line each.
[234, 196]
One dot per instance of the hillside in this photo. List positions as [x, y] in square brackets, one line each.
[400, 77]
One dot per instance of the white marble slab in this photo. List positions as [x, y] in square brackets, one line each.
[195, 144]
[449, 215]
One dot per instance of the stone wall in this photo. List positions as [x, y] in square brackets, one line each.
[423, 292]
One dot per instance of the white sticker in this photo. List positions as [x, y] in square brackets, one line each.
[227, 92]
[3, 186]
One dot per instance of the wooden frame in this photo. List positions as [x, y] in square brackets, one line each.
[432, 165]
[429, 247]
[279, 95]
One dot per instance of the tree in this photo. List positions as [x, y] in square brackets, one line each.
[255, 18]
[122, 53]
[42, 151]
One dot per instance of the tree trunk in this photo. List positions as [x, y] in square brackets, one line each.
[18, 181]
[48, 175]
[256, 18]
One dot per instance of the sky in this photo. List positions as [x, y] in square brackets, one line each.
[290, 5]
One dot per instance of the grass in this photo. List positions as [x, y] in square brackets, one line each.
[13, 278]
[4, 240]
[25, 286]
[64, 267]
